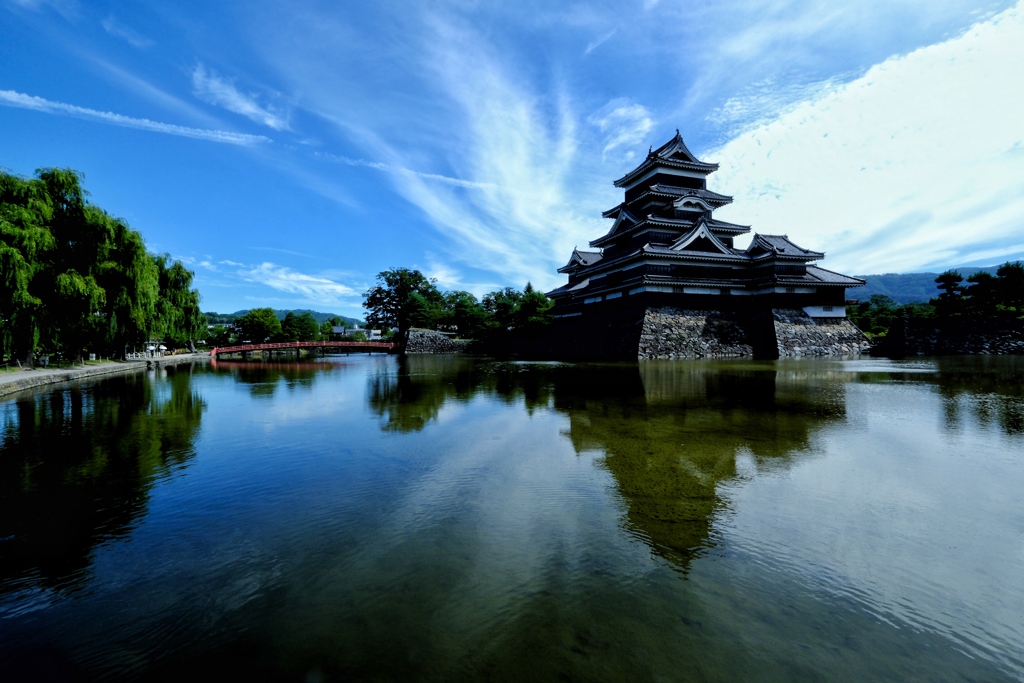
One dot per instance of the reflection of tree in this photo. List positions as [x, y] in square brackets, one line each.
[670, 434]
[994, 385]
[264, 377]
[76, 465]
[411, 397]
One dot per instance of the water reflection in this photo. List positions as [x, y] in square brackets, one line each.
[76, 467]
[264, 378]
[990, 389]
[668, 432]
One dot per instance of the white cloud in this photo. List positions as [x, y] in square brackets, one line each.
[624, 124]
[211, 88]
[916, 164]
[11, 98]
[310, 288]
[131, 36]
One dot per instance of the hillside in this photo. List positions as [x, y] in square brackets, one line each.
[905, 288]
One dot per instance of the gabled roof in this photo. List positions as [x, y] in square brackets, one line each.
[701, 239]
[706, 195]
[624, 221]
[686, 223]
[673, 154]
[581, 259]
[779, 245]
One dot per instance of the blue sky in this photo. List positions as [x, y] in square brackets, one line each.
[287, 152]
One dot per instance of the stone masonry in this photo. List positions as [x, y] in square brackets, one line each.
[429, 341]
[677, 333]
[798, 334]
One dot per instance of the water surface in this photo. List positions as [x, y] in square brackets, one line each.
[449, 518]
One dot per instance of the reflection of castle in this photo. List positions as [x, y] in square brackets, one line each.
[668, 268]
[669, 433]
[675, 433]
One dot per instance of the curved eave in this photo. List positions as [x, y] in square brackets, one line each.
[713, 225]
[653, 162]
[776, 256]
[692, 255]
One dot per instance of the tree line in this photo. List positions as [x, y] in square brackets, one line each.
[74, 278]
[403, 298]
[261, 325]
[984, 297]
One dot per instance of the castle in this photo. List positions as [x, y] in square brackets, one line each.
[665, 281]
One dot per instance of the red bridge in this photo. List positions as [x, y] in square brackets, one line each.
[344, 346]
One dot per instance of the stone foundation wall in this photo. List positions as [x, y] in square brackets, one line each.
[798, 334]
[955, 337]
[429, 341]
[678, 333]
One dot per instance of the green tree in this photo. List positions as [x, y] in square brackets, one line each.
[465, 314]
[875, 315]
[220, 335]
[982, 297]
[258, 325]
[299, 327]
[130, 279]
[25, 242]
[179, 319]
[950, 301]
[1011, 287]
[534, 309]
[503, 305]
[402, 298]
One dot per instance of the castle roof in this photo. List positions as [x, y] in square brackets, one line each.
[763, 246]
[671, 191]
[673, 154]
[581, 259]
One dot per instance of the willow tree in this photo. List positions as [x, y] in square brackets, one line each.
[25, 241]
[178, 318]
[129, 277]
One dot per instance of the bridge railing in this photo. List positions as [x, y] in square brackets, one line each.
[275, 346]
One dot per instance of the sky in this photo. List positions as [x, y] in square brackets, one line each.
[288, 152]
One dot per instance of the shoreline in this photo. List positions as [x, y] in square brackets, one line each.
[14, 381]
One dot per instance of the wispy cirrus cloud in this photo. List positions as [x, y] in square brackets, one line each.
[127, 34]
[309, 288]
[214, 89]
[597, 42]
[10, 98]
[388, 168]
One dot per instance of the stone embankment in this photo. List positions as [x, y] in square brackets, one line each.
[798, 334]
[677, 333]
[429, 341]
[952, 337]
[13, 381]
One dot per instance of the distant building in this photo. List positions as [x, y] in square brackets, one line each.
[666, 250]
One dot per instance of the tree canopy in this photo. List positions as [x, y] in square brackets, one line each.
[72, 277]
[404, 298]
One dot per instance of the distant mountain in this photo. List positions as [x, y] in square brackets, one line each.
[906, 288]
[225, 318]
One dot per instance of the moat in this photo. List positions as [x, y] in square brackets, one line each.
[452, 518]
